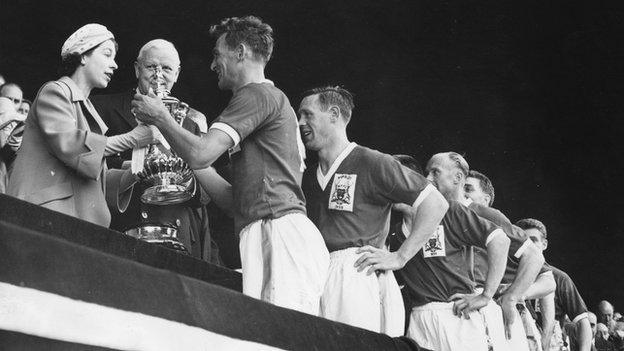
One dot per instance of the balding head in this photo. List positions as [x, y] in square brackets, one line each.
[157, 66]
[448, 172]
[605, 312]
[160, 44]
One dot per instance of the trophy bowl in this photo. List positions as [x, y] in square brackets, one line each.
[157, 234]
[167, 179]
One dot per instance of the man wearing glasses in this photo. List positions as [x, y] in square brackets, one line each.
[157, 69]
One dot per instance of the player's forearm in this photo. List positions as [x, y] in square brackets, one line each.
[547, 308]
[198, 152]
[219, 190]
[542, 286]
[497, 250]
[424, 221]
[530, 263]
[584, 334]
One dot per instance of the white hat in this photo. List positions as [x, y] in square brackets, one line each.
[85, 38]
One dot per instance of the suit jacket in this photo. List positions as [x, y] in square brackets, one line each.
[60, 164]
[190, 217]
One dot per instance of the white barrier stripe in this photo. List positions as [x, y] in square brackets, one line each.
[52, 316]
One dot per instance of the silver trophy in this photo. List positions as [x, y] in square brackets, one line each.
[167, 179]
[164, 235]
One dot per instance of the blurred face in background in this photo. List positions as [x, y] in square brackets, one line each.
[24, 108]
[12, 93]
[538, 239]
[473, 191]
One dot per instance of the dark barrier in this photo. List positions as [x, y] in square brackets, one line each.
[68, 284]
[21, 214]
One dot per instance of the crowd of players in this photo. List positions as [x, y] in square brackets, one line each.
[362, 237]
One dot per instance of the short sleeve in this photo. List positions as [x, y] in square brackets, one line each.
[398, 184]
[475, 230]
[248, 109]
[519, 241]
[570, 299]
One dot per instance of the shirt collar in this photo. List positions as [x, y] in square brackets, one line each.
[324, 179]
[76, 93]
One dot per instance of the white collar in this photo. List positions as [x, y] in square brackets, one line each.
[324, 179]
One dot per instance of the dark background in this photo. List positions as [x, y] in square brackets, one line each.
[529, 92]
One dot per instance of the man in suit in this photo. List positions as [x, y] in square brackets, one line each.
[157, 68]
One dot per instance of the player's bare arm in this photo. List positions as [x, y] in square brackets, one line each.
[530, 263]
[547, 307]
[425, 219]
[542, 286]
[219, 189]
[198, 152]
[497, 249]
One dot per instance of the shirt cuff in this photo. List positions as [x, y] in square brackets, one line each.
[423, 195]
[579, 317]
[522, 248]
[227, 130]
[494, 234]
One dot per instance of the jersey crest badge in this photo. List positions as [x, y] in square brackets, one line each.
[435, 246]
[342, 191]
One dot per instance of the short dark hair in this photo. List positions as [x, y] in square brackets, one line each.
[409, 162]
[333, 95]
[531, 223]
[70, 63]
[485, 184]
[249, 30]
[27, 101]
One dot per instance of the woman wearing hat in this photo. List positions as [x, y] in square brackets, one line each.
[60, 164]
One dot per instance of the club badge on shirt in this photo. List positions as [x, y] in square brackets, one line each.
[342, 191]
[435, 246]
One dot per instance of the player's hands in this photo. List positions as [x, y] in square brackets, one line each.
[378, 259]
[149, 108]
[466, 303]
[508, 306]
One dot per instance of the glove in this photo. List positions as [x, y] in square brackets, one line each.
[140, 136]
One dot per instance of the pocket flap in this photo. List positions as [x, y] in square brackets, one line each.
[51, 193]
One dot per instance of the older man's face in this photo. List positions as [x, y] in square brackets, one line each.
[442, 173]
[605, 314]
[157, 69]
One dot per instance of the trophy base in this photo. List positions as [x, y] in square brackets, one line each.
[165, 195]
[161, 235]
